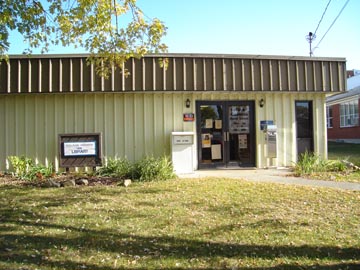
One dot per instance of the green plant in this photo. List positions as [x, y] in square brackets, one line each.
[24, 168]
[150, 168]
[20, 165]
[39, 171]
[116, 167]
[309, 163]
[336, 166]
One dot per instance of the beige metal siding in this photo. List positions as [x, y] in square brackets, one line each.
[138, 124]
[131, 124]
[184, 73]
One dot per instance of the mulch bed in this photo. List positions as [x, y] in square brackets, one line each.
[6, 179]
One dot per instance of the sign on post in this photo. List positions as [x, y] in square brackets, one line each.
[80, 150]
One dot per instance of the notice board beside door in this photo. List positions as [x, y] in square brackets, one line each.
[80, 150]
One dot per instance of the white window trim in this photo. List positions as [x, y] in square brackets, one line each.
[349, 114]
[328, 117]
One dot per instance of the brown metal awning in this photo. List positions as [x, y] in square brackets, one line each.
[185, 72]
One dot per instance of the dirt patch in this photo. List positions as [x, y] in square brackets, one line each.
[6, 179]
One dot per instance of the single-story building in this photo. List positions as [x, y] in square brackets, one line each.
[225, 100]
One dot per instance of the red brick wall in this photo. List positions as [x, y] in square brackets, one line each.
[342, 133]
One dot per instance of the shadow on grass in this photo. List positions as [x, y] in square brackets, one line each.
[21, 247]
[16, 248]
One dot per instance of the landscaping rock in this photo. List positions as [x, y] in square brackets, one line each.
[127, 182]
[351, 165]
[53, 183]
[82, 182]
[68, 183]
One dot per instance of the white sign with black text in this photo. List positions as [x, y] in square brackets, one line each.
[80, 148]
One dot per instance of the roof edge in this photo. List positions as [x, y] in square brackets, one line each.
[193, 55]
[338, 98]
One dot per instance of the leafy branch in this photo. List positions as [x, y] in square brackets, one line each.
[93, 25]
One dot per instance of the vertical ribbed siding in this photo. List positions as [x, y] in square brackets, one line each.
[66, 74]
[132, 125]
[138, 124]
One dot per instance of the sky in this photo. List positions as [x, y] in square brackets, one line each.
[259, 27]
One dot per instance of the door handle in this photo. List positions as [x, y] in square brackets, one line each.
[226, 136]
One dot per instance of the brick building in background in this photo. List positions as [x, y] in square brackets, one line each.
[343, 111]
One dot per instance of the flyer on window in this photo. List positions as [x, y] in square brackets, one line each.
[218, 124]
[242, 141]
[209, 123]
[206, 140]
[216, 151]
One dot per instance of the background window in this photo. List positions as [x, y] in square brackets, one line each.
[349, 114]
[329, 117]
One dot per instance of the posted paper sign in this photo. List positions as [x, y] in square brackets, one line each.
[218, 124]
[216, 151]
[242, 141]
[209, 123]
[79, 149]
[206, 141]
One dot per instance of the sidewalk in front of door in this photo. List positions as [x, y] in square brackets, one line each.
[280, 175]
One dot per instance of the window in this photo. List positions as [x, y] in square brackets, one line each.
[329, 117]
[349, 114]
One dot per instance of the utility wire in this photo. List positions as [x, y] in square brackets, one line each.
[322, 17]
[332, 23]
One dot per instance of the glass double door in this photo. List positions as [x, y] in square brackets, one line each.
[226, 136]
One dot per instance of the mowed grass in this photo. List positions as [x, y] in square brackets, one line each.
[344, 151]
[180, 224]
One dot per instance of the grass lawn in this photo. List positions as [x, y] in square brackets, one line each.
[181, 224]
[348, 151]
[344, 151]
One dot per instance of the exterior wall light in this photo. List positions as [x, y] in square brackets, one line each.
[261, 103]
[187, 103]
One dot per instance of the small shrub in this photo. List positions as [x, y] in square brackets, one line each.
[25, 169]
[39, 171]
[306, 163]
[310, 163]
[116, 167]
[20, 165]
[151, 169]
[336, 166]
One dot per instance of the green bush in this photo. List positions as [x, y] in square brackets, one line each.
[336, 166]
[311, 163]
[116, 167]
[20, 165]
[24, 168]
[151, 169]
[39, 171]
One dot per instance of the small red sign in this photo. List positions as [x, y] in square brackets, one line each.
[189, 117]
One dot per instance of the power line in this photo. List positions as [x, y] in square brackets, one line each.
[312, 35]
[322, 16]
[332, 23]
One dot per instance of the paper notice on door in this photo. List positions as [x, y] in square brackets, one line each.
[242, 141]
[218, 124]
[206, 140]
[208, 123]
[216, 151]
